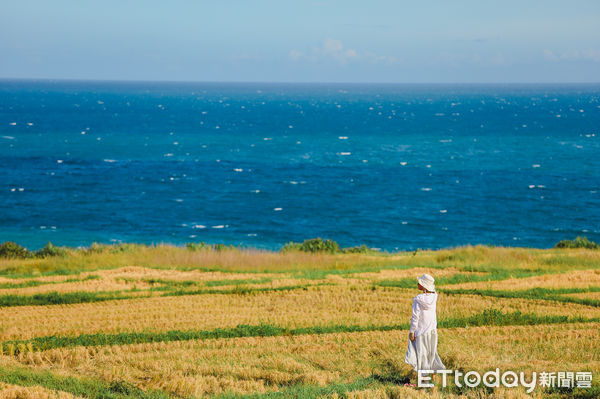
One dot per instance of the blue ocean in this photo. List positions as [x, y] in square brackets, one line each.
[396, 167]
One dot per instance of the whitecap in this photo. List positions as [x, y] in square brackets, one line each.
[344, 153]
[13, 123]
[192, 235]
[220, 226]
[198, 226]
[168, 155]
[439, 114]
[13, 189]
[8, 137]
[100, 102]
[446, 141]
[252, 234]
[21, 189]
[536, 165]
[425, 189]
[178, 200]
[29, 123]
[110, 160]
[532, 186]
[290, 127]
[403, 163]
[267, 138]
[59, 161]
[404, 222]
[443, 211]
[238, 170]
[255, 191]
[277, 209]
[343, 137]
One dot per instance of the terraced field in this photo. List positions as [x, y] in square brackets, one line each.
[168, 322]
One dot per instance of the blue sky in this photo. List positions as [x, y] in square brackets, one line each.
[302, 41]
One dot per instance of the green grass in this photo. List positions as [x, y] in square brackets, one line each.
[67, 298]
[84, 387]
[37, 283]
[546, 294]
[489, 317]
[217, 283]
[309, 391]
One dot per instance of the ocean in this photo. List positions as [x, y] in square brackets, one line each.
[395, 167]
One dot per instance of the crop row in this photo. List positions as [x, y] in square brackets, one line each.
[294, 308]
[264, 364]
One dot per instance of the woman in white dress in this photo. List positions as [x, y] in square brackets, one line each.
[422, 345]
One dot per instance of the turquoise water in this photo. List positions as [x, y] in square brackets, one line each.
[391, 166]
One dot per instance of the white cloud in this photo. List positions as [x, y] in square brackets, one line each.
[333, 49]
[332, 46]
[296, 55]
[573, 55]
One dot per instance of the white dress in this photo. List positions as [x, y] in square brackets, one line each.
[422, 352]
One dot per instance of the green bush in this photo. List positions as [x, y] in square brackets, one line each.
[197, 246]
[578, 242]
[124, 248]
[12, 250]
[95, 248]
[50, 250]
[363, 249]
[202, 246]
[313, 245]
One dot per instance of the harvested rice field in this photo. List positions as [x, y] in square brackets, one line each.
[169, 322]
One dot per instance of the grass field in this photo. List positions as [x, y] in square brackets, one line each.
[160, 321]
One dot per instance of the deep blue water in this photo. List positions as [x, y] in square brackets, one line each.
[391, 166]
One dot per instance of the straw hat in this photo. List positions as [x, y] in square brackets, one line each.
[427, 282]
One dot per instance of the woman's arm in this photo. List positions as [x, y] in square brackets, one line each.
[414, 320]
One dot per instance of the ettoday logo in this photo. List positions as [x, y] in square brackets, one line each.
[508, 379]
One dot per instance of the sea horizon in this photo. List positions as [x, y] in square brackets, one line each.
[395, 166]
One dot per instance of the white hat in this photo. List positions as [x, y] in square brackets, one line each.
[427, 282]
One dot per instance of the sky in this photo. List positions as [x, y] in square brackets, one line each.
[302, 41]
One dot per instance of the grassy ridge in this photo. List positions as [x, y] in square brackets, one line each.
[85, 387]
[467, 259]
[489, 317]
[547, 294]
[68, 298]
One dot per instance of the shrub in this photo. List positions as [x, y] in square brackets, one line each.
[199, 246]
[363, 249]
[12, 250]
[313, 245]
[50, 250]
[202, 246]
[95, 248]
[578, 242]
[124, 248]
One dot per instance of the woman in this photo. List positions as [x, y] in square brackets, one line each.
[422, 345]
